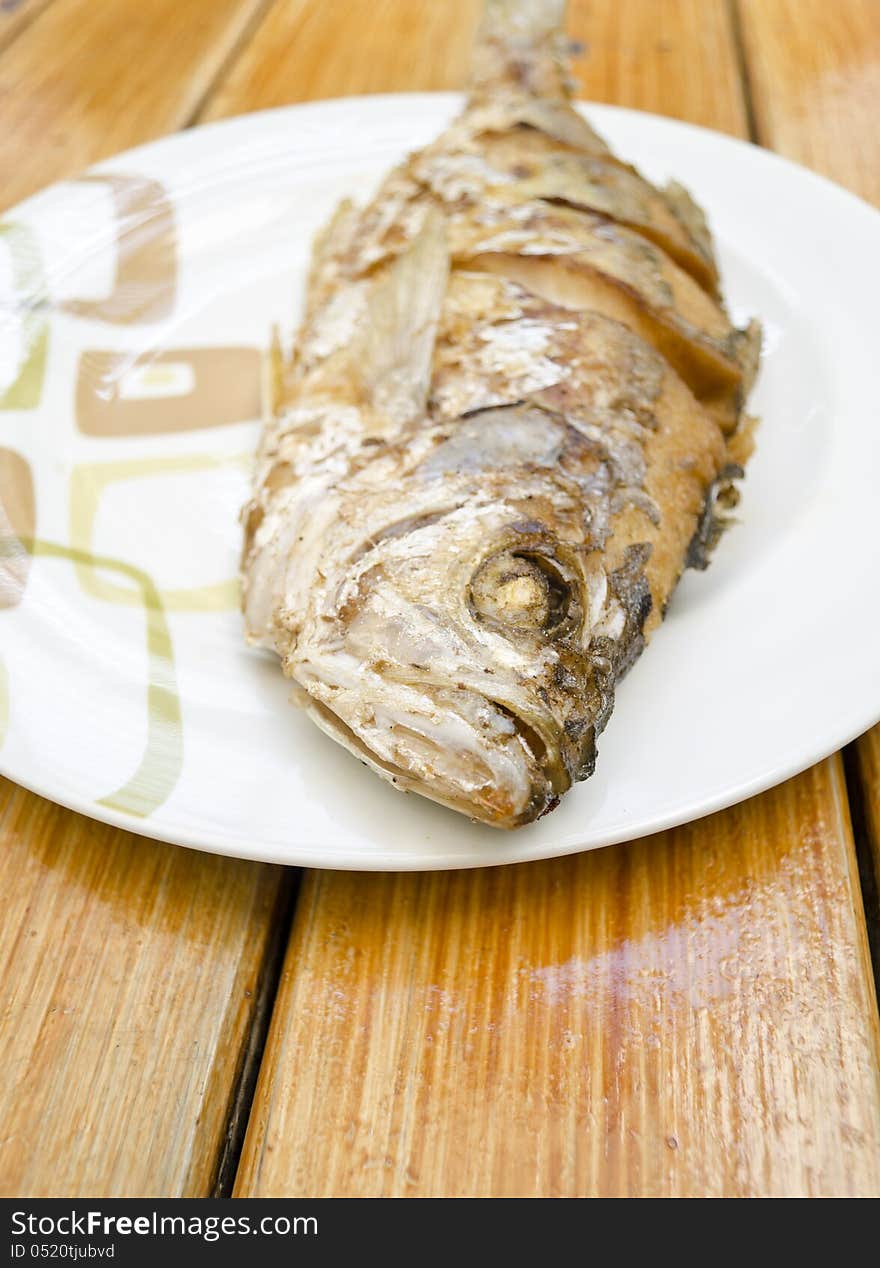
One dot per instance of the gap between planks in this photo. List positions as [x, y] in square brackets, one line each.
[864, 816]
[108, 857]
[633, 80]
[258, 17]
[16, 16]
[199, 110]
[281, 923]
[811, 76]
[734, 17]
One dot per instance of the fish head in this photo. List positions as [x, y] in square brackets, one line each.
[456, 635]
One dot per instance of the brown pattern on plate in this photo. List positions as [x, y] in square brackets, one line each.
[145, 285]
[17, 522]
[176, 390]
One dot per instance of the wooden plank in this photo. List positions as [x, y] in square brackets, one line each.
[87, 80]
[129, 972]
[672, 57]
[692, 1014]
[418, 45]
[15, 15]
[301, 52]
[684, 1015]
[814, 69]
[814, 72]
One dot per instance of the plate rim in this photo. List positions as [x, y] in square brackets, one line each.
[584, 106]
[377, 861]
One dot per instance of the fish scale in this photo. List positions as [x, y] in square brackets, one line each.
[512, 415]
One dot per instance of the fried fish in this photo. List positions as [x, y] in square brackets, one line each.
[513, 415]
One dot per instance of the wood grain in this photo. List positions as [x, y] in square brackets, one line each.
[129, 969]
[418, 45]
[86, 80]
[672, 57]
[814, 71]
[301, 52]
[692, 1014]
[128, 977]
[15, 15]
[688, 1014]
[815, 75]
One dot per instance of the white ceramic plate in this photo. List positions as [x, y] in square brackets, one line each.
[133, 303]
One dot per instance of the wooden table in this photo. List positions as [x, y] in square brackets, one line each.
[689, 1014]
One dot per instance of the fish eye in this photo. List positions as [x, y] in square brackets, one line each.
[522, 590]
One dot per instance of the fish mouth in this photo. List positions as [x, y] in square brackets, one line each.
[505, 781]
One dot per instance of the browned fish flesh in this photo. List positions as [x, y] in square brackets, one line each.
[513, 414]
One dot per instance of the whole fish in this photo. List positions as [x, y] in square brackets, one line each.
[513, 415]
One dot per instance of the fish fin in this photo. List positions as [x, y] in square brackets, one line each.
[271, 379]
[741, 444]
[394, 353]
[331, 242]
[272, 376]
[722, 497]
[692, 217]
[329, 248]
[748, 344]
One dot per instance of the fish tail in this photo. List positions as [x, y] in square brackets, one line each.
[521, 44]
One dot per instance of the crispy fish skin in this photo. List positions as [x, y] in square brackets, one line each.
[512, 417]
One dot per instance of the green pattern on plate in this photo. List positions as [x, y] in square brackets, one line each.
[87, 485]
[159, 769]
